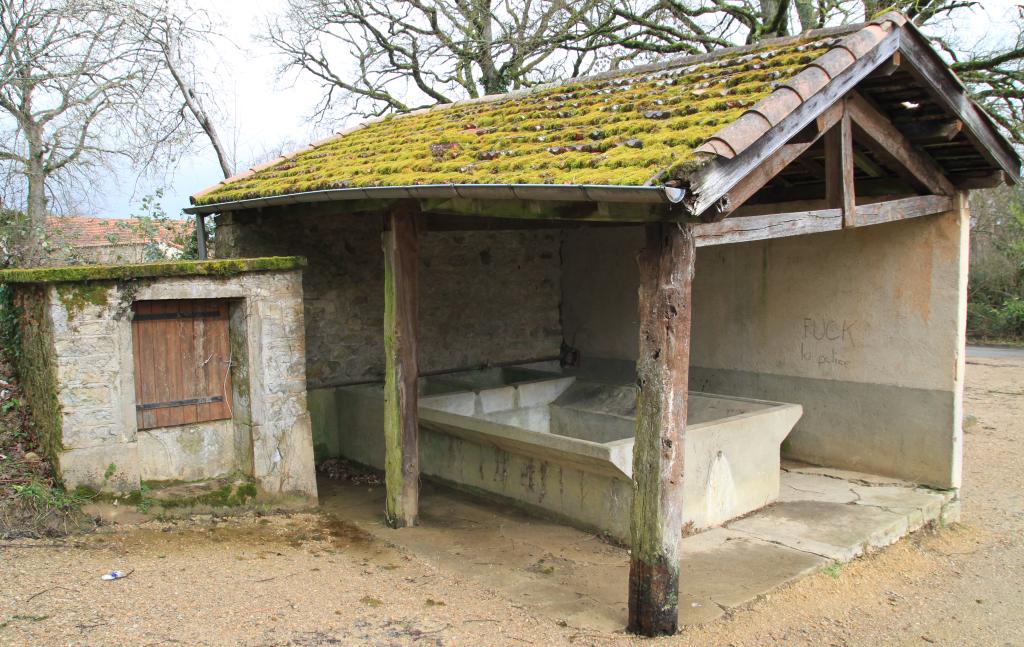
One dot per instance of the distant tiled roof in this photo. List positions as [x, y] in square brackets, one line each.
[87, 231]
[642, 127]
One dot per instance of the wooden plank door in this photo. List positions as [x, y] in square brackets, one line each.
[182, 362]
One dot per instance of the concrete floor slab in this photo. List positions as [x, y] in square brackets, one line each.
[797, 486]
[579, 578]
[733, 568]
[833, 530]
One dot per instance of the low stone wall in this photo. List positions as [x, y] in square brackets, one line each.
[77, 338]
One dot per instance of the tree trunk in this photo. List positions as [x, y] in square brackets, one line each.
[194, 106]
[33, 230]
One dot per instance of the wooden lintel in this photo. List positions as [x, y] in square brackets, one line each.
[745, 229]
[889, 144]
[656, 522]
[537, 210]
[902, 209]
[839, 168]
[769, 168]
[401, 424]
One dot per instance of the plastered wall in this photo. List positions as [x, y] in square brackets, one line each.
[864, 328]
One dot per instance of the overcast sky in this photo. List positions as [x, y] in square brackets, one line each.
[262, 112]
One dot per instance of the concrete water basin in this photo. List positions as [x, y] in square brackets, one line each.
[563, 446]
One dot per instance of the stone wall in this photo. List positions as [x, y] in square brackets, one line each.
[269, 436]
[485, 296]
[864, 328]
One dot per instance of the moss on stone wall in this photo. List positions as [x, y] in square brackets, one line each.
[82, 273]
[36, 363]
[76, 296]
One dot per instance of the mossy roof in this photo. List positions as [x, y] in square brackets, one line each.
[219, 267]
[637, 128]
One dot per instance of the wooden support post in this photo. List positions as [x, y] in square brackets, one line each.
[666, 275]
[201, 236]
[839, 169]
[401, 423]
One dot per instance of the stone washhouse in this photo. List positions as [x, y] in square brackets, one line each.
[621, 301]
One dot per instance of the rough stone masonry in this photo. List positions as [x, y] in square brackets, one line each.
[80, 333]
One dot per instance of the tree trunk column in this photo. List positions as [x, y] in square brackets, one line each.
[666, 276]
[401, 424]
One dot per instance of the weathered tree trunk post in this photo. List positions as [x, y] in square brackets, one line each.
[666, 275]
[401, 424]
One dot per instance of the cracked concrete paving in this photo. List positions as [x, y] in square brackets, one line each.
[822, 516]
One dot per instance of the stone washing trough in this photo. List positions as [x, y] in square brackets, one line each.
[563, 445]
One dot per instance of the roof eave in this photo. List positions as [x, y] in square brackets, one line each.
[553, 192]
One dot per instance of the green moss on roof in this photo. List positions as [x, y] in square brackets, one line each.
[630, 129]
[221, 267]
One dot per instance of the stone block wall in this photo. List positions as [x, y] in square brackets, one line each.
[485, 296]
[91, 359]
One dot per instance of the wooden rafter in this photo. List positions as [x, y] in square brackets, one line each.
[930, 71]
[715, 182]
[932, 132]
[761, 174]
[891, 145]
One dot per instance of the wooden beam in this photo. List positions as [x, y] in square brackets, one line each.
[866, 164]
[712, 183]
[887, 142]
[839, 168]
[401, 424]
[666, 277]
[925, 65]
[554, 210]
[932, 132]
[888, 68]
[903, 209]
[761, 174]
[981, 181]
[744, 229]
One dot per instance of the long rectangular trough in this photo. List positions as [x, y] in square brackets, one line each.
[563, 446]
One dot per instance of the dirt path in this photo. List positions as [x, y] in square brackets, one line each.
[305, 580]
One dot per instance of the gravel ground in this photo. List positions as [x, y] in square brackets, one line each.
[310, 580]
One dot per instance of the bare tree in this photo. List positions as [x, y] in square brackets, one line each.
[398, 55]
[171, 35]
[71, 96]
[995, 75]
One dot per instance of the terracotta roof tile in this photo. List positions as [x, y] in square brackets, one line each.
[649, 124]
[89, 231]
